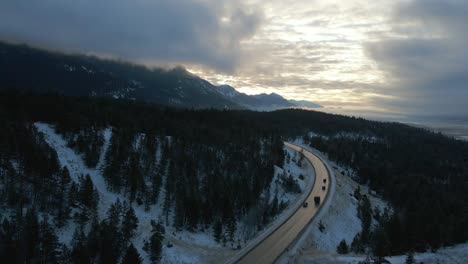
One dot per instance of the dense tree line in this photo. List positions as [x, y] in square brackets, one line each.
[214, 165]
[422, 174]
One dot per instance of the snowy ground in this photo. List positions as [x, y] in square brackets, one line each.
[341, 220]
[197, 247]
[292, 169]
[450, 255]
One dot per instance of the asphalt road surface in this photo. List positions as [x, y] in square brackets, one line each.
[274, 245]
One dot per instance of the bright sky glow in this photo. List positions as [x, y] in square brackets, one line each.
[311, 51]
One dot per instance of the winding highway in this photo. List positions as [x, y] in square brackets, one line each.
[270, 249]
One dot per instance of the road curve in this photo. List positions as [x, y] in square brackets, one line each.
[271, 248]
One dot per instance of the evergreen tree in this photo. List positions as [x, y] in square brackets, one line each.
[30, 235]
[357, 193]
[49, 245]
[156, 241]
[218, 230]
[79, 252]
[274, 207]
[156, 184]
[148, 199]
[65, 255]
[135, 178]
[342, 247]
[365, 214]
[94, 239]
[132, 256]
[63, 204]
[88, 199]
[381, 245]
[111, 232]
[72, 195]
[113, 214]
[129, 224]
[169, 187]
[112, 244]
[231, 228]
[179, 211]
[87, 193]
[410, 258]
[9, 245]
[357, 246]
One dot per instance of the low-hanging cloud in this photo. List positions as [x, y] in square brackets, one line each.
[201, 32]
[426, 58]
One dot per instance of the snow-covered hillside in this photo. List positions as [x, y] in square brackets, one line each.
[340, 220]
[186, 247]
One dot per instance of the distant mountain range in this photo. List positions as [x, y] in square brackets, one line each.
[305, 104]
[263, 102]
[27, 68]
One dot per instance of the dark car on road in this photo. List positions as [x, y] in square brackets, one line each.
[317, 200]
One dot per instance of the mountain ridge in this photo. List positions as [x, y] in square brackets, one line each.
[82, 75]
[79, 75]
[263, 101]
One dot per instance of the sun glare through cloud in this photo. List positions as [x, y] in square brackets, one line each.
[312, 52]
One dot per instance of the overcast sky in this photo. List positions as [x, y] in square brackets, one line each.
[385, 57]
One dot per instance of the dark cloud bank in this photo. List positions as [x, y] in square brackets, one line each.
[158, 31]
[429, 66]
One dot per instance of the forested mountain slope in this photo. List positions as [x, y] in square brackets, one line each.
[188, 175]
[23, 67]
[27, 68]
